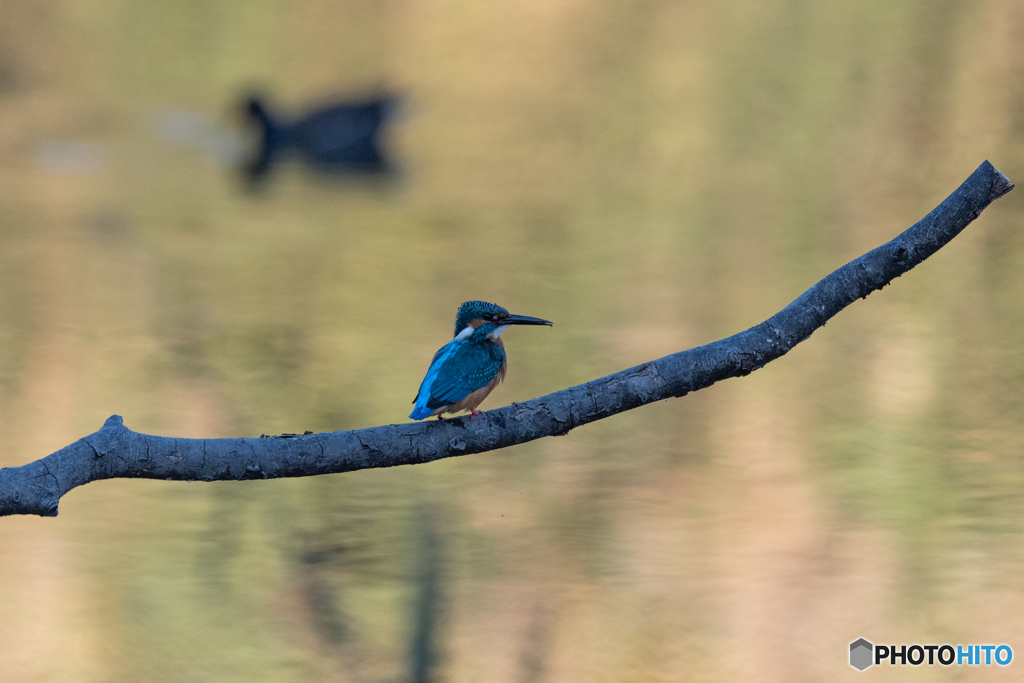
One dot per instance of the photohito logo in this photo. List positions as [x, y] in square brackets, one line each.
[863, 654]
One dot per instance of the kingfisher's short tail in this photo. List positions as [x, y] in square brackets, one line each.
[420, 413]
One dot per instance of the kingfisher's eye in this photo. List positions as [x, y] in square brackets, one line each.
[488, 316]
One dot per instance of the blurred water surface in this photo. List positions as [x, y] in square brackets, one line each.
[650, 176]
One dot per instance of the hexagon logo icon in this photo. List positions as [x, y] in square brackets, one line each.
[861, 654]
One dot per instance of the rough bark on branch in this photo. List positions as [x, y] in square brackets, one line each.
[116, 451]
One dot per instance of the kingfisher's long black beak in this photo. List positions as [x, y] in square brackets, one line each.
[523, 320]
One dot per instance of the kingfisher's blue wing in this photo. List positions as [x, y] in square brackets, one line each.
[470, 368]
[458, 369]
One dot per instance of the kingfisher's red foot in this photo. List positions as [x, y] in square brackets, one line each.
[473, 414]
[440, 418]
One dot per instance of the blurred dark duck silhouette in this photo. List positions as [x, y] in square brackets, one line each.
[343, 138]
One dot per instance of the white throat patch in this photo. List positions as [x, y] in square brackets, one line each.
[497, 331]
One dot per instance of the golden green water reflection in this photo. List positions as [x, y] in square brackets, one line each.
[650, 176]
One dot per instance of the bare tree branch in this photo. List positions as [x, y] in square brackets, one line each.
[116, 451]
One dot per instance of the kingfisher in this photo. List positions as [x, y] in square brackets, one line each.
[466, 369]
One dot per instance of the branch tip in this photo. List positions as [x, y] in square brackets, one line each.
[1000, 185]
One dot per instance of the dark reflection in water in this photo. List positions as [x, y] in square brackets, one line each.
[340, 138]
[423, 650]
